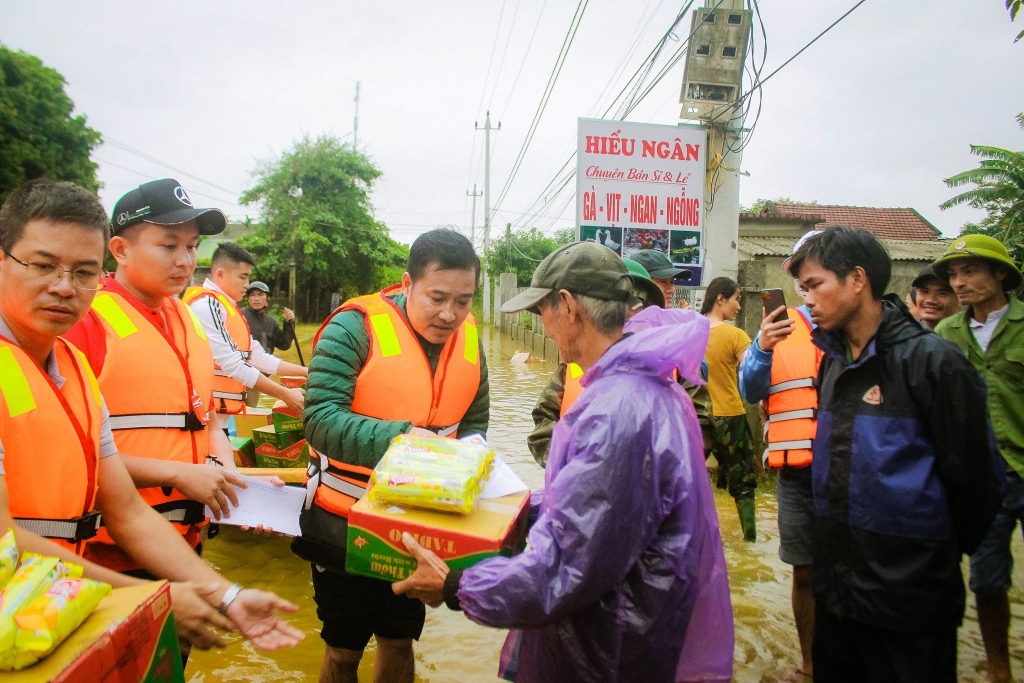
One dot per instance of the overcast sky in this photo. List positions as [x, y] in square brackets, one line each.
[874, 114]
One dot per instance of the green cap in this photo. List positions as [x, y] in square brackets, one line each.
[656, 263]
[584, 268]
[979, 246]
[642, 281]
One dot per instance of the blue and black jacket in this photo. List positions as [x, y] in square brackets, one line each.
[906, 474]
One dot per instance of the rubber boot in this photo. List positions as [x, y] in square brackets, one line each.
[747, 520]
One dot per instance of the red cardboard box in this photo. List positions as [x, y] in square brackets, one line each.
[375, 548]
[130, 638]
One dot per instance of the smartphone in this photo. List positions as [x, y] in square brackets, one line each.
[772, 299]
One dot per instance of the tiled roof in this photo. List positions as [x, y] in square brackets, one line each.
[885, 223]
[899, 250]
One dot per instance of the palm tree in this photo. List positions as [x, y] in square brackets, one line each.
[999, 182]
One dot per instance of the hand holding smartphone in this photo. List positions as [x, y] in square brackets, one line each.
[771, 299]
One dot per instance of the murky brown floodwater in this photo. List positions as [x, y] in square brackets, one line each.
[455, 650]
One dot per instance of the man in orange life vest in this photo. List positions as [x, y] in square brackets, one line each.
[239, 358]
[781, 369]
[405, 360]
[161, 406]
[51, 411]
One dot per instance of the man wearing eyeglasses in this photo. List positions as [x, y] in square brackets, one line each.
[155, 366]
[59, 466]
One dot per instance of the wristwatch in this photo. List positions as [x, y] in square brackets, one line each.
[229, 597]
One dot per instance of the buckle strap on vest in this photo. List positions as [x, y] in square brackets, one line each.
[72, 530]
[806, 382]
[186, 512]
[186, 422]
[803, 444]
[806, 414]
[341, 486]
[445, 431]
[228, 396]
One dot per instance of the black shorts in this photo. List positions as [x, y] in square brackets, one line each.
[353, 608]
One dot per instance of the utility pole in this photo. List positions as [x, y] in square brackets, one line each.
[487, 210]
[472, 220]
[355, 122]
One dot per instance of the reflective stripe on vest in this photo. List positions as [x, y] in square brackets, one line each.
[66, 422]
[792, 401]
[572, 388]
[158, 391]
[228, 392]
[396, 383]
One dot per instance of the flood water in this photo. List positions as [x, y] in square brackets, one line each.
[453, 649]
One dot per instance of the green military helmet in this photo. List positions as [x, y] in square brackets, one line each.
[644, 287]
[979, 246]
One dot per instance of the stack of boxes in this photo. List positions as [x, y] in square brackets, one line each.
[281, 443]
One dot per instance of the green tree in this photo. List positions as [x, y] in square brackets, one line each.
[520, 251]
[315, 211]
[39, 138]
[999, 190]
[1014, 7]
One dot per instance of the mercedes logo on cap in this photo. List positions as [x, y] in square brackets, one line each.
[179, 194]
[122, 218]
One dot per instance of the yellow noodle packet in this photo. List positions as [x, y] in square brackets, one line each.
[433, 492]
[33, 577]
[8, 558]
[55, 615]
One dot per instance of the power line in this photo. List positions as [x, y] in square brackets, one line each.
[556, 70]
[149, 177]
[154, 160]
[490, 62]
[523, 63]
[504, 53]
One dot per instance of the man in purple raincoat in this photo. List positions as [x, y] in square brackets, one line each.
[624, 577]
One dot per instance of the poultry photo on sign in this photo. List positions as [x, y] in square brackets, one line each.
[639, 239]
[609, 237]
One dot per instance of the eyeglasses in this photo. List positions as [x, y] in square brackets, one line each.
[51, 273]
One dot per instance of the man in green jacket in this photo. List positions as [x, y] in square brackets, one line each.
[434, 305]
[990, 332]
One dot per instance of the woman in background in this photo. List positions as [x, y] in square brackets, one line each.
[734, 449]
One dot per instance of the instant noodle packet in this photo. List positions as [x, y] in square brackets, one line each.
[432, 472]
[33, 578]
[8, 557]
[53, 616]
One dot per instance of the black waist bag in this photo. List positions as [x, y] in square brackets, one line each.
[323, 540]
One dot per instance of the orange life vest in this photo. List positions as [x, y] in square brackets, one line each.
[572, 388]
[396, 383]
[228, 393]
[59, 427]
[158, 395]
[792, 403]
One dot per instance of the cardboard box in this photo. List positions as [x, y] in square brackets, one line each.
[285, 419]
[270, 435]
[292, 382]
[251, 419]
[245, 451]
[296, 455]
[375, 548]
[130, 638]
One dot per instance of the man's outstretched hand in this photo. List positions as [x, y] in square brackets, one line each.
[427, 582]
[254, 612]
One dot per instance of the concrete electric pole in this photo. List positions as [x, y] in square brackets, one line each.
[487, 210]
[472, 221]
[712, 95]
[355, 121]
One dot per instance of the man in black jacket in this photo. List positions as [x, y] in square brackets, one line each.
[906, 473]
[264, 327]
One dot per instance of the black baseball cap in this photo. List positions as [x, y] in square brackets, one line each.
[164, 202]
[926, 275]
[585, 268]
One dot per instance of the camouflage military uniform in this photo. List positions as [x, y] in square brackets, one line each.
[734, 451]
[549, 407]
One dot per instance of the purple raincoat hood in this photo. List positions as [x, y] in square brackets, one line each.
[624, 578]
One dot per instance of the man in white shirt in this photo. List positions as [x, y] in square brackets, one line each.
[239, 358]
